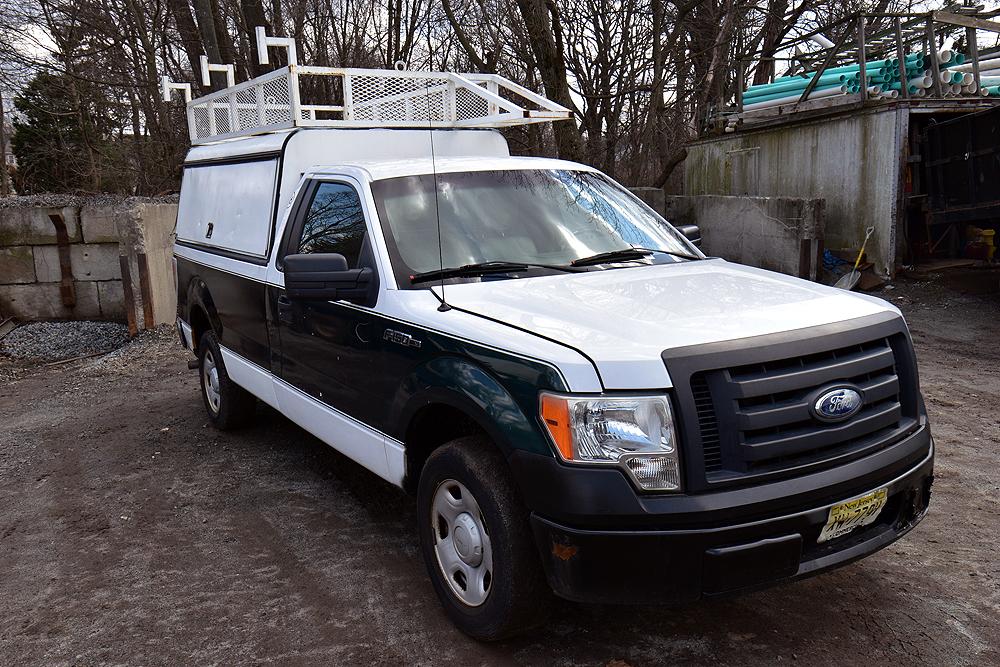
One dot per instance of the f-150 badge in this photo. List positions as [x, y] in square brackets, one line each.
[400, 338]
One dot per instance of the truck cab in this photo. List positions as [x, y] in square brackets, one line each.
[581, 402]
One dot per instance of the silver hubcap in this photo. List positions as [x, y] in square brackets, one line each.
[211, 374]
[461, 543]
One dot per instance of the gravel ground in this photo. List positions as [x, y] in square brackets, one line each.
[133, 533]
[51, 341]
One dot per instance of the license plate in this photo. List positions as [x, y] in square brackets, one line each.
[850, 514]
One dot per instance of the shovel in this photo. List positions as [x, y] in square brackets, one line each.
[849, 280]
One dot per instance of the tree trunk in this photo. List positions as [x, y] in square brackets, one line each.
[4, 188]
[209, 40]
[181, 13]
[541, 22]
[253, 16]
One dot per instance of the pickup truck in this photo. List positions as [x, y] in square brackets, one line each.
[581, 401]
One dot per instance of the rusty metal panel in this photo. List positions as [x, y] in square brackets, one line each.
[66, 288]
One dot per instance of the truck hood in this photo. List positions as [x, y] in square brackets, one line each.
[623, 319]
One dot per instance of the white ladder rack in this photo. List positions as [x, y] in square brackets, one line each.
[366, 98]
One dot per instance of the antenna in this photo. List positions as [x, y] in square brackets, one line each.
[263, 41]
[206, 73]
[167, 87]
[444, 307]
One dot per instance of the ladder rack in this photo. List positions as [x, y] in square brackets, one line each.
[363, 98]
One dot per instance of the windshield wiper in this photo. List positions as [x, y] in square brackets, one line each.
[482, 269]
[626, 255]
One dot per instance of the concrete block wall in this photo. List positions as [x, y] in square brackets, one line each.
[102, 236]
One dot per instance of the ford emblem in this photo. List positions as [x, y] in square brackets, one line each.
[837, 404]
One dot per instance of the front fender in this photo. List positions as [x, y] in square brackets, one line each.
[510, 420]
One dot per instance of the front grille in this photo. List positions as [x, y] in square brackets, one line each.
[753, 419]
[772, 410]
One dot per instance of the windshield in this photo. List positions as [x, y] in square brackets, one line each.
[550, 217]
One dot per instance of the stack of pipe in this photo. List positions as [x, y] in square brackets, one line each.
[884, 79]
[989, 76]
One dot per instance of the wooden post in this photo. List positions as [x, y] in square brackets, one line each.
[862, 58]
[970, 42]
[932, 52]
[740, 79]
[904, 86]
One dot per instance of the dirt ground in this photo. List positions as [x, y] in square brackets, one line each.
[133, 533]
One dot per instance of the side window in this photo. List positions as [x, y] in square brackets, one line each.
[335, 223]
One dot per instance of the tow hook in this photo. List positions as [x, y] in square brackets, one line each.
[193, 364]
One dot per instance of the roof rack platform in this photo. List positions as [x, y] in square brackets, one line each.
[355, 98]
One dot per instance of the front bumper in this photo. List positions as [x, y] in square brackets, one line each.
[686, 561]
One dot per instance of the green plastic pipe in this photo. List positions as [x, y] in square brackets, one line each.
[786, 93]
[769, 88]
[843, 69]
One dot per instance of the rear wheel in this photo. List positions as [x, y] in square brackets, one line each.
[229, 406]
[477, 543]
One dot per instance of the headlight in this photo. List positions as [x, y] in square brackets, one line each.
[634, 432]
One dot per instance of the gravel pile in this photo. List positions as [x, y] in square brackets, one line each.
[51, 341]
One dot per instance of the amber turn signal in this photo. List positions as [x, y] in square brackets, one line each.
[555, 414]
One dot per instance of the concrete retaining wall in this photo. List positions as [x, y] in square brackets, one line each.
[777, 233]
[81, 278]
[852, 162]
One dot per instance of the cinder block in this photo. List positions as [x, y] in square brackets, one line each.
[42, 301]
[31, 226]
[112, 298]
[90, 261]
[98, 224]
[17, 265]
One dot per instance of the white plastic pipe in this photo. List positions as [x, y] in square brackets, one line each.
[968, 79]
[822, 41]
[945, 55]
[971, 89]
[921, 81]
[829, 92]
[874, 90]
[991, 63]
[956, 89]
[921, 92]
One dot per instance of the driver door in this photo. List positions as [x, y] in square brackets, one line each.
[325, 348]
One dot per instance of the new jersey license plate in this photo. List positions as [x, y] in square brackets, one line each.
[850, 514]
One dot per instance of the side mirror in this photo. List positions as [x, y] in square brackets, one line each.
[692, 233]
[325, 277]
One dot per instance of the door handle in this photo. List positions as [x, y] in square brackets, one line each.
[285, 314]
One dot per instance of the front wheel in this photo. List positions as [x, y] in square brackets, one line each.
[477, 543]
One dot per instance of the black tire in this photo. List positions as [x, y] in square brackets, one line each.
[518, 597]
[231, 406]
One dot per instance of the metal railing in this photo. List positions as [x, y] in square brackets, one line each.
[353, 98]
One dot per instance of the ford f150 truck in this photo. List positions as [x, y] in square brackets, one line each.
[580, 400]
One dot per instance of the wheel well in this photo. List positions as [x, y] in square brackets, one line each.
[199, 325]
[431, 427]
